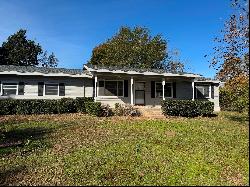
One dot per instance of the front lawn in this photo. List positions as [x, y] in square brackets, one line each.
[76, 149]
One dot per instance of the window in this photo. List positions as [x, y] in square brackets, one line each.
[202, 91]
[111, 88]
[51, 89]
[9, 89]
[168, 90]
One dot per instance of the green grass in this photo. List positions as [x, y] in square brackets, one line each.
[83, 150]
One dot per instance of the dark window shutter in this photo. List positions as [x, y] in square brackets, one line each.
[174, 89]
[21, 88]
[152, 89]
[125, 88]
[40, 88]
[0, 87]
[61, 89]
[195, 92]
[212, 91]
[93, 87]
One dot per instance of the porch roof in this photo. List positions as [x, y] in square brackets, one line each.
[136, 71]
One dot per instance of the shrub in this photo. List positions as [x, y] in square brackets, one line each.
[80, 103]
[66, 105]
[93, 108]
[126, 110]
[106, 111]
[7, 107]
[40, 106]
[187, 108]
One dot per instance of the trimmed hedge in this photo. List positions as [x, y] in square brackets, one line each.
[80, 103]
[42, 106]
[93, 108]
[187, 108]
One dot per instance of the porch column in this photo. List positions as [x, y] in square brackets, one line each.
[193, 90]
[163, 90]
[131, 90]
[95, 87]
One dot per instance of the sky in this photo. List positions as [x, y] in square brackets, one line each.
[72, 28]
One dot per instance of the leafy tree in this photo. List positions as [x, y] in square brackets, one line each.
[232, 47]
[173, 62]
[48, 61]
[134, 48]
[20, 51]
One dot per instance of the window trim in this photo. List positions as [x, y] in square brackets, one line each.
[44, 93]
[6, 82]
[172, 90]
[104, 88]
[209, 91]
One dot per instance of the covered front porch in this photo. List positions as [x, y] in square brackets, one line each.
[141, 90]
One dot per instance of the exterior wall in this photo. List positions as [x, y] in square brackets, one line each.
[74, 87]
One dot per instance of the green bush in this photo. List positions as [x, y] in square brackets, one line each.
[7, 107]
[80, 103]
[93, 108]
[41, 106]
[66, 105]
[187, 108]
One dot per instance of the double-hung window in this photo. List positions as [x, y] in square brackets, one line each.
[202, 91]
[111, 88]
[168, 90]
[9, 89]
[51, 89]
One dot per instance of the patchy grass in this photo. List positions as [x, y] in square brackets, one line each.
[77, 149]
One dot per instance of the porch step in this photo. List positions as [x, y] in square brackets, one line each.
[151, 112]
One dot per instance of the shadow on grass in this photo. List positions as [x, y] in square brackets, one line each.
[9, 176]
[210, 115]
[242, 118]
[27, 139]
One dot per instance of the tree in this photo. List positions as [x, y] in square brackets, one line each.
[134, 48]
[20, 51]
[232, 48]
[50, 61]
[173, 62]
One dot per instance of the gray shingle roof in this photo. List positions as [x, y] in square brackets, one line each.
[125, 69]
[23, 69]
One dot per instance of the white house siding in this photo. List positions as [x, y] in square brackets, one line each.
[74, 87]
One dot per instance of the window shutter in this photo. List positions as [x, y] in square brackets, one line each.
[174, 89]
[1, 88]
[93, 87]
[212, 91]
[21, 88]
[195, 92]
[61, 89]
[40, 88]
[125, 88]
[152, 89]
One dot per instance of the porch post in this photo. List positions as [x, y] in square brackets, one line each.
[131, 90]
[193, 89]
[163, 90]
[95, 87]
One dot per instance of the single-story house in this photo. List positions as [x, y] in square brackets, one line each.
[108, 85]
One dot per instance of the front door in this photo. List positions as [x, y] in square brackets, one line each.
[140, 93]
